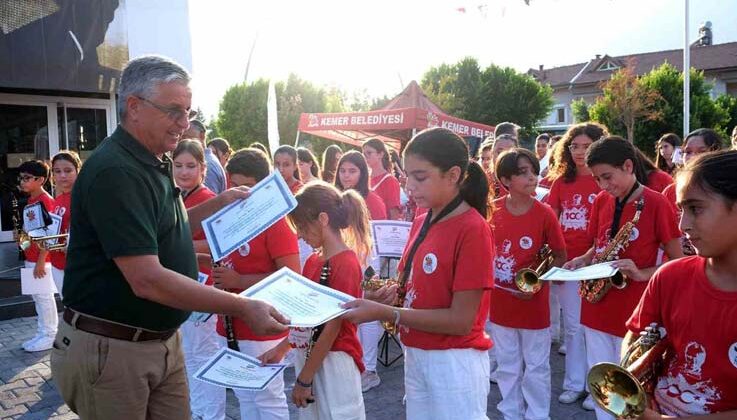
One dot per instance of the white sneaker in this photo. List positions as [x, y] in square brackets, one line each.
[369, 380]
[42, 344]
[31, 341]
[562, 349]
[570, 397]
[588, 403]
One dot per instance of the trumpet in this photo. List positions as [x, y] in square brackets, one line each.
[622, 390]
[47, 243]
[528, 280]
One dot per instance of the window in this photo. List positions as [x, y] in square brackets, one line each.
[607, 66]
[560, 115]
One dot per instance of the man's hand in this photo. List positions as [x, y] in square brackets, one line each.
[262, 318]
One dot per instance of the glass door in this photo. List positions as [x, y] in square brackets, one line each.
[24, 135]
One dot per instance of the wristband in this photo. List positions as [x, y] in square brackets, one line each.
[302, 384]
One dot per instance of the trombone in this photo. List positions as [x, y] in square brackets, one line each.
[622, 390]
[528, 280]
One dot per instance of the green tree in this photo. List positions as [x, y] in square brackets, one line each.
[242, 114]
[580, 110]
[489, 96]
[728, 105]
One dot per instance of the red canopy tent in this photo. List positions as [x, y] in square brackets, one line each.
[395, 123]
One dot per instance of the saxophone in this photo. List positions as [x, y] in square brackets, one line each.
[594, 290]
[623, 390]
[372, 282]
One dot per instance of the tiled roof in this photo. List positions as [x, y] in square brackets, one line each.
[713, 57]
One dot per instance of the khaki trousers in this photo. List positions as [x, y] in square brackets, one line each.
[105, 378]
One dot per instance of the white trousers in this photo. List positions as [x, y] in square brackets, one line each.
[570, 301]
[523, 374]
[336, 388]
[269, 404]
[58, 276]
[555, 317]
[369, 333]
[48, 315]
[601, 347]
[446, 384]
[492, 350]
[199, 342]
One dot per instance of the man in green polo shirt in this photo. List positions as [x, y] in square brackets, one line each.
[131, 267]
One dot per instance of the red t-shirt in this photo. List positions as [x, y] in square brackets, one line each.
[194, 198]
[518, 240]
[456, 256]
[345, 276]
[701, 325]
[295, 186]
[656, 226]
[545, 182]
[670, 193]
[387, 188]
[573, 201]
[49, 204]
[259, 257]
[376, 206]
[657, 180]
[62, 208]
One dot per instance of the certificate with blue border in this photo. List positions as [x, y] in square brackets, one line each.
[390, 237]
[306, 303]
[231, 369]
[239, 222]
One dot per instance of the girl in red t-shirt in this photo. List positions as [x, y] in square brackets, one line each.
[612, 160]
[32, 176]
[199, 339]
[328, 363]
[353, 173]
[382, 181]
[571, 197]
[285, 161]
[273, 249]
[65, 166]
[695, 298]
[520, 322]
[447, 265]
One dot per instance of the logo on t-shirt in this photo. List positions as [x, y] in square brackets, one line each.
[525, 242]
[733, 354]
[684, 389]
[504, 263]
[429, 263]
[244, 250]
[574, 218]
[60, 210]
[635, 234]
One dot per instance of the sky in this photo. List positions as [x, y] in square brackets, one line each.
[379, 46]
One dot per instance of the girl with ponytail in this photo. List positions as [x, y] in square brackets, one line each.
[328, 368]
[442, 302]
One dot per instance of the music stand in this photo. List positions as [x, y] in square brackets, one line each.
[387, 338]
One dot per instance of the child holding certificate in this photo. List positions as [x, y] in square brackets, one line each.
[65, 166]
[329, 362]
[273, 249]
[520, 320]
[32, 177]
[633, 247]
[353, 173]
[199, 339]
[285, 161]
[695, 299]
[446, 273]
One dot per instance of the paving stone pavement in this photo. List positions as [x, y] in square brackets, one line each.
[27, 390]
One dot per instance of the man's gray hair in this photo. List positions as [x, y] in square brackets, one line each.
[142, 76]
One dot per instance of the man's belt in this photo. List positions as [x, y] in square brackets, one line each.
[112, 329]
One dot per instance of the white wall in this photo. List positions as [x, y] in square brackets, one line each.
[159, 27]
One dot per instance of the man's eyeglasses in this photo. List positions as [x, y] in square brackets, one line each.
[173, 114]
[26, 178]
